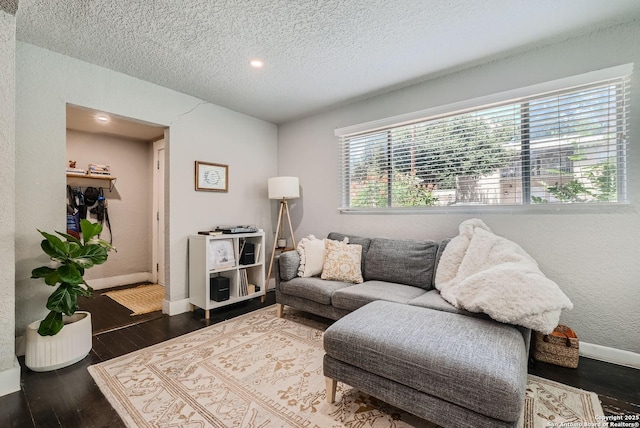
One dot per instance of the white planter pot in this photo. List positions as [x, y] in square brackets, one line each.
[70, 345]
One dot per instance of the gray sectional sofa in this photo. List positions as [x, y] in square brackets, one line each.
[395, 338]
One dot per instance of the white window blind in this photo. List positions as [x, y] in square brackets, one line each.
[558, 147]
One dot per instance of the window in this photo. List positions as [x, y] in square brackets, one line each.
[566, 145]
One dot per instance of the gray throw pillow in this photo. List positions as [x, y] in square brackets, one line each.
[403, 261]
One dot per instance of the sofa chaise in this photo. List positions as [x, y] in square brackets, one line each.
[397, 339]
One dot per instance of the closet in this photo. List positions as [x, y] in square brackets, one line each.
[126, 147]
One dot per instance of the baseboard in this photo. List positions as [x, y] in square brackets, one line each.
[115, 281]
[610, 355]
[10, 379]
[175, 307]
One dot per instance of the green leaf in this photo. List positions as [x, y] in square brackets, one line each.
[53, 278]
[51, 325]
[53, 246]
[89, 230]
[69, 238]
[74, 250]
[62, 300]
[41, 272]
[69, 274]
[83, 289]
[90, 255]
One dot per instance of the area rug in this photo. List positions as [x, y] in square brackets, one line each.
[140, 300]
[258, 370]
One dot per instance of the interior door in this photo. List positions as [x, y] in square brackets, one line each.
[158, 213]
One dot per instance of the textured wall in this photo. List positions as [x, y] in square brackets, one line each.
[9, 6]
[46, 81]
[593, 255]
[129, 203]
[7, 189]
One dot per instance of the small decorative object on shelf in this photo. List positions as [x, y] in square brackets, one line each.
[216, 260]
[72, 168]
[97, 169]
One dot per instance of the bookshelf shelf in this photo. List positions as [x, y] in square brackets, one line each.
[208, 252]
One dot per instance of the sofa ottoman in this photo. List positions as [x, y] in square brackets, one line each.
[450, 369]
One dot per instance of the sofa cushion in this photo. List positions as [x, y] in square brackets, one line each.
[315, 289]
[403, 261]
[357, 240]
[477, 364]
[356, 296]
[433, 300]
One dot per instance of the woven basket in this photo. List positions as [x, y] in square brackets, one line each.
[561, 347]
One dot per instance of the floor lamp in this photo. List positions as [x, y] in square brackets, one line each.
[282, 188]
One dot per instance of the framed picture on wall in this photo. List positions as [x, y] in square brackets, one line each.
[212, 177]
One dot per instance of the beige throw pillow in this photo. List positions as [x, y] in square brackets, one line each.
[342, 261]
[311, 251]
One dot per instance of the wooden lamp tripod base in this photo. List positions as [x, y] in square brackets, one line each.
[284, 209]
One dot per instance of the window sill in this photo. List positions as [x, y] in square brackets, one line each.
[578, 208]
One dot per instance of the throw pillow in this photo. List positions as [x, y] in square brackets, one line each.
[311, 251]
[342, 261]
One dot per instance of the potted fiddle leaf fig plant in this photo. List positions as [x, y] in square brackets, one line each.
[73, 255]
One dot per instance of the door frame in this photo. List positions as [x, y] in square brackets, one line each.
[158, 258]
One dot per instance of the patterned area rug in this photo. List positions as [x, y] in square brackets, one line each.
[141, 300]
[258, 370]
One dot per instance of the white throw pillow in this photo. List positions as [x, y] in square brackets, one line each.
[311, 252]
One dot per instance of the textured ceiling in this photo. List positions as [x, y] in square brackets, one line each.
[317, 53]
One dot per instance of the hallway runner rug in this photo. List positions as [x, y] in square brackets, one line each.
[141, 300]
[258, 370]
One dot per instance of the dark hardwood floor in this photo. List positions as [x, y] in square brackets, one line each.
[107, 314]
[69, 397]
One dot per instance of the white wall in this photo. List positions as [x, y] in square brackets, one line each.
[128, 203]
[593, 256]
[46, 81]
[9, 378]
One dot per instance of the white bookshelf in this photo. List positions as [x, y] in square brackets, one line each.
[203, 265]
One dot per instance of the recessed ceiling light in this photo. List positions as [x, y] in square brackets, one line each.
[102, 118]
[256, 63]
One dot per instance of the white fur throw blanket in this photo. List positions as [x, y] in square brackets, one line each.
[483, 272]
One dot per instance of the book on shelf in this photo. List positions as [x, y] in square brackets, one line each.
[209, 232]
[244, 283]
[77, 171]
[95, 168]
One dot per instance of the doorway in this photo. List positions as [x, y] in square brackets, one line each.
[134, 193]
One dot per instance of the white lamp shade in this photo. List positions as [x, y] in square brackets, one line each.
[284, 187]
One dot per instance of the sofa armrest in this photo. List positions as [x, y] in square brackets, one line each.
[288, 264]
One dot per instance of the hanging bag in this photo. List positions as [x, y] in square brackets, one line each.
[561, 347]
[73, 216]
